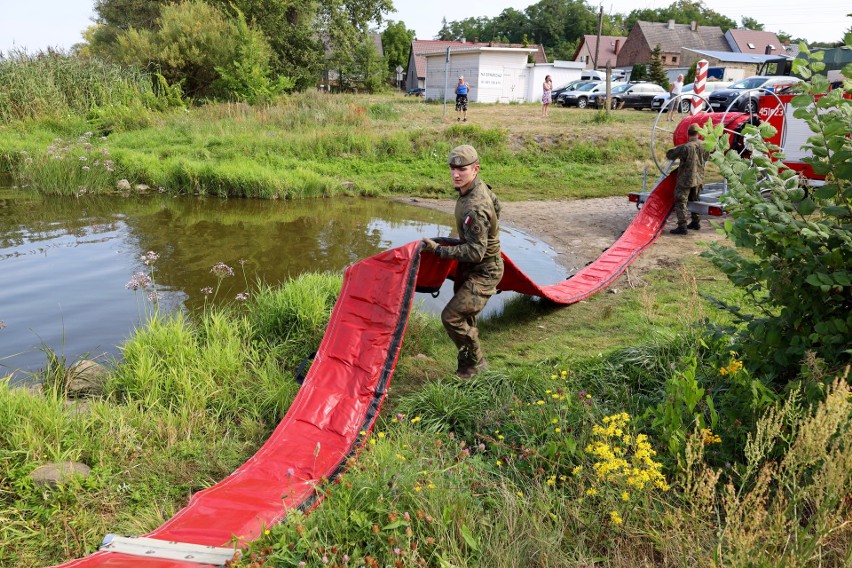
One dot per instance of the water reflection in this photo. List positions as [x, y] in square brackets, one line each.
[64, 262]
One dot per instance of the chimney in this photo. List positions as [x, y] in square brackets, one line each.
[670, 25]
[693, 25]
[463, 39]
[769, 49]
[617, 44]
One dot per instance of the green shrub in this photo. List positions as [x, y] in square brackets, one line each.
[794, 247]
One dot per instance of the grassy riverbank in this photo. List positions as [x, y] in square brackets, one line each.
[313, 145]
[622, 431]
[500, 471]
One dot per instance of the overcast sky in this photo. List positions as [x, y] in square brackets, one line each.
[38, 24]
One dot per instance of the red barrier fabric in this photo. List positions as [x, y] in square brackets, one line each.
[346, 385]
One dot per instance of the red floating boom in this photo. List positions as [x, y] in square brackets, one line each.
[343, 393]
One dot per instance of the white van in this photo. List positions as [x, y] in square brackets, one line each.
[592, 75]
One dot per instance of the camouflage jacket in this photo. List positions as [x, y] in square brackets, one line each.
[692, 156]
[477, 222]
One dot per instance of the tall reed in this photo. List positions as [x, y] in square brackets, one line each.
[55, 83]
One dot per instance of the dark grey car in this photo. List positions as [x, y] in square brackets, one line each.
[629, 95]
[747, 92]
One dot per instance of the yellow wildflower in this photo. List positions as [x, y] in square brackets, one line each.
[616, 518]
[708, 437]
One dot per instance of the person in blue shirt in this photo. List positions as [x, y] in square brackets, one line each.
[462, 89]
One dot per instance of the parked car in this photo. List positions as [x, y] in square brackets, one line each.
[580, 97]
[419, 92]
[660, 101]
[636, 95]
[572, 86]
[747, 92]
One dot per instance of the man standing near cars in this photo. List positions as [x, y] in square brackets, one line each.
[480, 264]
[690, 178]
[674, 97]
[461, 97]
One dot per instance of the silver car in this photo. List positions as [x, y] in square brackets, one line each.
[660, 101]
[580, 97]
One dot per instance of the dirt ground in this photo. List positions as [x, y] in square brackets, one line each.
[580, 230]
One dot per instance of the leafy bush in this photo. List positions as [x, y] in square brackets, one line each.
[794, 246]
[210, 55]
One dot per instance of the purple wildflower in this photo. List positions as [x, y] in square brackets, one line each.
[149, 258]
[139, 280]
[222, 270]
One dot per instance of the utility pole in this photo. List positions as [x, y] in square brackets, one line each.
[446, 79]
[598, 42]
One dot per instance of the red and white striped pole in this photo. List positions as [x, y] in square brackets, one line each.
[698, 88]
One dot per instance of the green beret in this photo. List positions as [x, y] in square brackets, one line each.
[462, 156]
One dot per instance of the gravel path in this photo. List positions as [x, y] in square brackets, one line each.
[580, 230]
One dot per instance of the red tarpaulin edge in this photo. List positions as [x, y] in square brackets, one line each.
[346, 385]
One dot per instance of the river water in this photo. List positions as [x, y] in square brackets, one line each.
[65, 262]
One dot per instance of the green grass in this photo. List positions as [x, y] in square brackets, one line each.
[494, 471]
[309, 146]
[189, 403]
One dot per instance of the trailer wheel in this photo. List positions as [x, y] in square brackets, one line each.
[662, 135]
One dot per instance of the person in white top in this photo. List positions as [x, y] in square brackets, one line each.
[674, 99]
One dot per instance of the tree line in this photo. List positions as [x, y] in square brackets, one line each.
[251, 50]
[559, 25]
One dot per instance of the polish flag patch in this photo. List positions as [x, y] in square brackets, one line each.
[467, 220]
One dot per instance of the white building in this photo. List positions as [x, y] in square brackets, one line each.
[495, 74]
[561, 72]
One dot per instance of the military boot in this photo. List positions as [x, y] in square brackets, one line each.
[679, 231]
[469, 371]
[695, 225]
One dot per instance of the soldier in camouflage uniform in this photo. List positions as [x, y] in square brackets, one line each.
[480, 265]
[690, 178]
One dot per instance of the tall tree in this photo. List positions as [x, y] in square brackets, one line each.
[656, 71]
[444, 34]
[346, 27]
[682, 12]
[396, 43]
[512, 25]
[556, 23]
[289, 28]
[751, 24]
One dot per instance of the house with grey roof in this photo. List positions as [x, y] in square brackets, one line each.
[738, 66]
[672, 39]
[416, 73]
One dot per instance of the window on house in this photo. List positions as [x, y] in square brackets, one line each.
[674, 58]
[750, 45]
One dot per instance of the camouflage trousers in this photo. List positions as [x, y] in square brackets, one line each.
[472, 292]
[683, 195]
